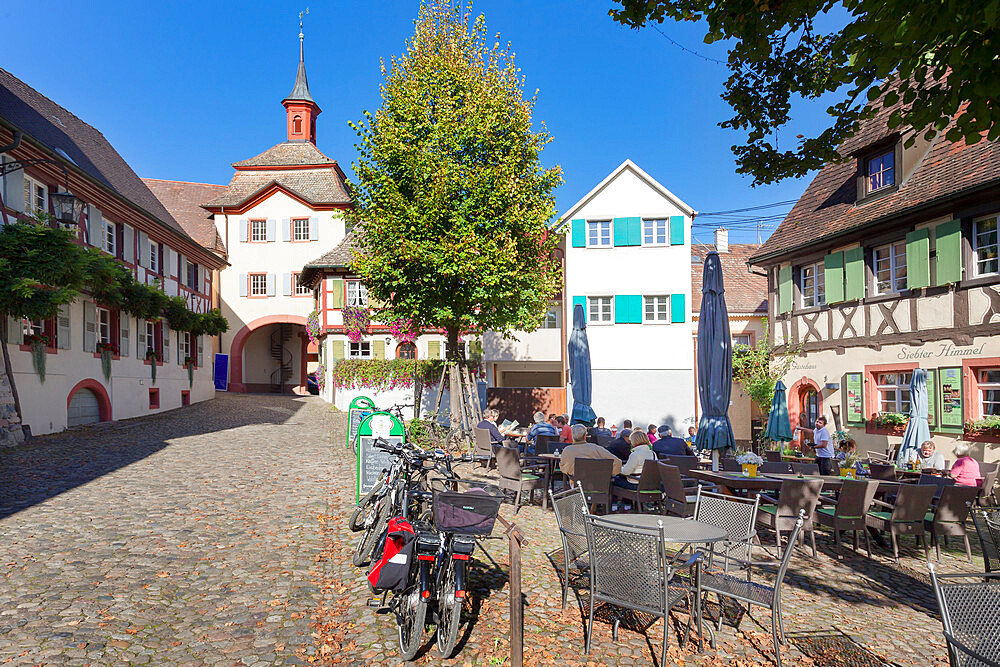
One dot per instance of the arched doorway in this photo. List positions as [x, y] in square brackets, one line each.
[406, 350]
[263, 353]
[808, 405]
[87, 403]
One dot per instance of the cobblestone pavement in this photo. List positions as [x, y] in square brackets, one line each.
[184, 538]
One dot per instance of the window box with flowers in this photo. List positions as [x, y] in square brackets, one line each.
[107, 352]
[356, 322]
[38, 344]
[984, 429]
[886, 423]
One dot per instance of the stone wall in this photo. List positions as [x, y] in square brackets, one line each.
[11, 432]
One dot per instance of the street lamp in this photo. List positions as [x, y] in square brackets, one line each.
[67, 206]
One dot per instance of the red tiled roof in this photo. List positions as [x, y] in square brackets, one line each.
[746, 292]
[183, 200]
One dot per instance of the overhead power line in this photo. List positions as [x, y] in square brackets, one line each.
[749, 208]
[687, 50]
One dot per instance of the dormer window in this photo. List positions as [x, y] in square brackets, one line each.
[880, 171]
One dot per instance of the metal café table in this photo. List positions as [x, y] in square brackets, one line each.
[679, 531]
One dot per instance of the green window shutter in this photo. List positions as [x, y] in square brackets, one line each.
[433, 349]
[678, 308]
[854, 274]
[622, 232]
[582, 301]
[948, 246]
[918, 259]
[833, 269]
[337, 292]
[579, 233]
[634, 231]
[628, 309]
[785, 289]
[677, 230]
[338, 349]
[378, 349]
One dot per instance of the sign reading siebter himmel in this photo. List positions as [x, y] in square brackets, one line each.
[372, 461]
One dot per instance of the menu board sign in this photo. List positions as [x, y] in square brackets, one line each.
[932, 399]
[854, 398]
[952, 409]
[361, 407]
[372, 460]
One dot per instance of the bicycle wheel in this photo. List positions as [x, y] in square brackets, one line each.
[410, 618]
[357, 521]
[449, 613]
[363, 552]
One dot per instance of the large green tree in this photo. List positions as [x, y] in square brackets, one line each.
[938, 58]
[453, 203]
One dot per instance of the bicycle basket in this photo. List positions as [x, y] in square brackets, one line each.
[473, 511]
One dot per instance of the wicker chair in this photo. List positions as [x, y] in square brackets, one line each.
[773, 456]
[949, 517]
[514, 477]
[731, 465]
[939, 482]
[796, 498]
[776, 468]
[683, 463]
[738, 517]
[905, 517]
[594, 477]
[630, 569]
[990, 471]
[484, 447]
[856, 497]
[648, 490]
[746, 591]
[883, 471]
[570, 507]
[987, 522]
[969, 604]
[805, 468]
[676, 498]
[543, 443]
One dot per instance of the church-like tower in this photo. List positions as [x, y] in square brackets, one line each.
[300, 105]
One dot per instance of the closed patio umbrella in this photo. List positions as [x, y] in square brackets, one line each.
[715, 362]
[779, 428]
[579, 370]
[917, 430]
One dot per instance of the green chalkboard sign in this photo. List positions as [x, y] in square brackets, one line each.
[932, 396]
[361, 407]
[952, 400]
[854, 398]
[372, 461]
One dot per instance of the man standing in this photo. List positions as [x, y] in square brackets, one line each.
[822, 444]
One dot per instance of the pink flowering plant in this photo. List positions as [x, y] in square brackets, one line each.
[403, 330]
[321, 377]
[384, 374]
[356, 322]
[313, 326]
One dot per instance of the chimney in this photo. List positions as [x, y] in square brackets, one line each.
[722, 240]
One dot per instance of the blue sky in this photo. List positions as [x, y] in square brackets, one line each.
[183, 89]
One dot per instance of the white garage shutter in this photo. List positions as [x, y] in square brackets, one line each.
[83, 408]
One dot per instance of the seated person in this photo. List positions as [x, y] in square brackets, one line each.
[849, 448]
[581, 449]
[928, 456]
[641, 452]
[489, 423]
[692, 436]
[651, 433]
[965, 470]
[668, 445]
[599, 431]
[565, 432]
[621, 446]
[541, 427]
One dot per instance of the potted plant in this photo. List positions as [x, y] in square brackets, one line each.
[152, 356]
[356, 322]
[190, 363]
[107, 351]
[984, 428]
[749, 461]
[849, 466]
[38, 342]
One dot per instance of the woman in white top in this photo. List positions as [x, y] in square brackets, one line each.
[641, 452]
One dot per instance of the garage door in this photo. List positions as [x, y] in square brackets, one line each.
[83, 408]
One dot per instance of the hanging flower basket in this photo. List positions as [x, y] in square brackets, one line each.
[321, 377]
[356, 322]
[152, 356]
[190, 363]
[107, 351]
[403, 330]
[38, 343]
[313, 326]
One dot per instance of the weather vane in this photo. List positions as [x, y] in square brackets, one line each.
[301, 14]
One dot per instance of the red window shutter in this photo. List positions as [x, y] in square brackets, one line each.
[116, 331]
[49, 328]
[159, 264]
[158, 338]
[120, 241]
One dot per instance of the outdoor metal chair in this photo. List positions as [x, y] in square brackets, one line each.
[514, 477]
[969, 605]
[648, 490]
[885, 472]
[683, 463]
[949, 517]
[484, 447]
[987, 523]
[676, 500]
[850, 510]
[905, 517]
[738, 517]
[751, 593]
[805, 468]
[990, 471]
[878, 457]
[594, 478]
[630, 569]
[570, 507]
[776, 468]
[731, 465]
[774, 456]
[796, 497]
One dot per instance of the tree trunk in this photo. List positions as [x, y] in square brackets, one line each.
[7, 367]
[454, 390]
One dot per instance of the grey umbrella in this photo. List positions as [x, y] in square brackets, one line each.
[715, 362]
[579, 370]
[917, 430]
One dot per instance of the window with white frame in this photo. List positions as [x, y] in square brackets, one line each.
[35, 195]
[812, 284]
[357, 294]
[258, 284]
[103, 325]
[300, 229]
[744, 339]
[654, 232]
[258, 230]
[889, 262]
[154, 256]
[656, 308]
[360, 350]
[300, 290]
[185, 350]
[150, 336]
[461, 349]
[598, 233]
[551, 320]
[110, 240]
[893, 391]
[984, 245]
[880, 171]
[192, 276]
[33, 327]
[989, 391]
[599, 309]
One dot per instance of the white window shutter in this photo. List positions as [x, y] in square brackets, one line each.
[63, 331]
[165, 269]
[180, 348]
[242, 224]
[15, 330]
[269, 229]
[14, 196]
[314, 229]
[286, 229]
[95, 224]
[143, 250]
[201, 350]
[128, 238]
[166, 344]
[243, 284]
[270, 284]
[286, 284]
[140, 339]
[89, 327]
[125, 339]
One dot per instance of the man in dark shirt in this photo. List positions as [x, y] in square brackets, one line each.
[620, 446]
[599, 430]
[668, 445]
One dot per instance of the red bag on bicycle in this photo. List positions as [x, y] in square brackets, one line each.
[392, 570]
